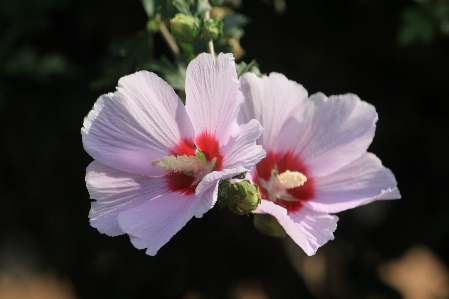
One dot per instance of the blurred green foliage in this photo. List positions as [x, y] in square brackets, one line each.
[422, 22]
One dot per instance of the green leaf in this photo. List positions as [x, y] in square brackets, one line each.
[151, 7]
[252, 67]
[201, 8]
[174, 74]
[233, 23]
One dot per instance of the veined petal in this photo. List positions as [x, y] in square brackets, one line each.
[294, 230]
[152, 224]
[278, 104]
[211, 179]
[317, 226]
[213, 98]
[335, 132]
[244, 151]
[309, 229]
[142, 121]
[361, 182]
[116, 191]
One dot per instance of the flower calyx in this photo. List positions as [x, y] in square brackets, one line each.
[268, 225]
[242, 197]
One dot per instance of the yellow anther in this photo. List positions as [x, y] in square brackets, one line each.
[180, 163]
[289, 179]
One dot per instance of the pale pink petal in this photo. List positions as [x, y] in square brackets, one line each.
[140, 122]
[335, 132]
[317, 226]
[152, 224]
[308, 229]
[278, 104]
[213, 98]
[211, 179]
[116, 191]
[358, 183]
[294, 230]
[243, 151]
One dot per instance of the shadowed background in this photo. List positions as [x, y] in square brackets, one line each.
[51, 51]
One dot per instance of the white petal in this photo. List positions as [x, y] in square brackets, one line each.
[361, 182]
[140, 122]
[243, 151]
[278, 104]
[213, 98]
[335, 132]
[317, 226]
[309, 229]
[211, 179]
[152, 224]
[116, 191]
[294, 230]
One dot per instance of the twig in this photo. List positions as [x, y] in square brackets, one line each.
[169, 39]
[210, 44]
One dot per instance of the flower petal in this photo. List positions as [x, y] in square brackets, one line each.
[212, 178]
[140, 122]
[278, 104]
[213, 98]
[361, 182]
[152, 224]
[243, 151]
[335, 132]
[317, 226]
[116, 191]
[294, 230]
[309, 229]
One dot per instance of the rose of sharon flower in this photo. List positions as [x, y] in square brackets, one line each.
[158, 162]
[316, 161]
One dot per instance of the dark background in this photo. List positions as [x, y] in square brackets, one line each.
[50, 52]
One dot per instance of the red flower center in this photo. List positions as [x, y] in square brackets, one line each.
[283, 162]
[206, 143]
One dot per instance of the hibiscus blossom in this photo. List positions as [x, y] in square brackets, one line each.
[158, 162]
[316, 161]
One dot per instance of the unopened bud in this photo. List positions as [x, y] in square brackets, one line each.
[212, 29]
[243, 197]
[185, 28]
[268, 225]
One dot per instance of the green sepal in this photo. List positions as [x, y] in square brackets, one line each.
[268, 225]
[240, 176]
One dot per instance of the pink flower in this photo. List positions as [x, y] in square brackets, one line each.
[147, 177]
[316, 161]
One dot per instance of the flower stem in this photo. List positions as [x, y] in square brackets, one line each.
[210, 44]
[169, 39]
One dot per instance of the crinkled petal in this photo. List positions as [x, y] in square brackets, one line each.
[361, 182]
[294, 230]
[309, 229]
[116, 191]
[140, 122]
[152, 224]
[335, 132]
[213, 98]
[244, 151]
[212, 179]
[278, 104]
[317, 226]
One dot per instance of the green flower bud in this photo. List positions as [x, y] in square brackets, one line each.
[153, 26]
[268, 225]
[212, 29]
[243, 197]
[185, 28]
